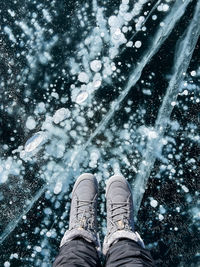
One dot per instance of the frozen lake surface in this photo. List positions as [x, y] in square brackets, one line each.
[107, 87]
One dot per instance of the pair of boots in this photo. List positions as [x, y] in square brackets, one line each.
[83, 213]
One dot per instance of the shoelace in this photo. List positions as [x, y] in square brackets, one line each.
[124, 215]
[87, 213]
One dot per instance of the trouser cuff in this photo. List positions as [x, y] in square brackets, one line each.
[88, 236]
[113, 238]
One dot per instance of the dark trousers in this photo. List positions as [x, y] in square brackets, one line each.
[124, 253]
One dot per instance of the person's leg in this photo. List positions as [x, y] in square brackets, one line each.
[122, 245]
[129, 253]
[80, 243]
[76, 253]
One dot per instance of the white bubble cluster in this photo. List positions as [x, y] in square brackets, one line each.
[30, 123]
[60, 115]
[193, 73]
[95, 65]
[154, 203]
[138, 44]
[35, 141]
[83, 77]
[81, 97]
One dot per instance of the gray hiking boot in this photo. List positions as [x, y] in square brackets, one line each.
[119, 204]
[83, 212]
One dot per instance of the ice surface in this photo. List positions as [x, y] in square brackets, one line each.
[96, 65]
[81, 98]
[181, 62]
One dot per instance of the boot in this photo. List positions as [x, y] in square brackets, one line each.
[119, 204]
[83, 212]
